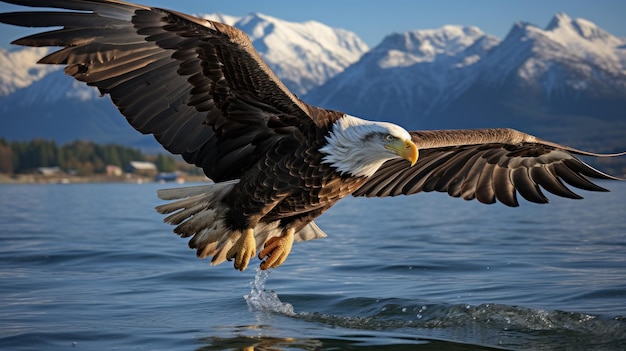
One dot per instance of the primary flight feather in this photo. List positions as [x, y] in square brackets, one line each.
[277, 162]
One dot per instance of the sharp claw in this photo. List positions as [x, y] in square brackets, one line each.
[264, 266]
[241, 263]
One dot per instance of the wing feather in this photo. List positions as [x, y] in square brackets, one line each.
[484, 186]
[503, 186]
[446, 176]
[424, 171]
[455, 187]
[575, 179]
[527, 187]
[488, 165]
[468, 189]
[547, 179]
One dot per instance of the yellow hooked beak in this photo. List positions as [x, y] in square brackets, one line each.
[405, 149]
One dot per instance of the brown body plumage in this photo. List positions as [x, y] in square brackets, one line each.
[203, 91]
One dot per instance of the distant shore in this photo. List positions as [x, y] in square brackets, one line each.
[98, 178]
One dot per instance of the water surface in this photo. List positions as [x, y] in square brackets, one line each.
[92, 266]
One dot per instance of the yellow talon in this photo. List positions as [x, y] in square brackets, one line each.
[277, 249]
[243, 250]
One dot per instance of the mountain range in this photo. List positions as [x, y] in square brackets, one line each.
[566, 82]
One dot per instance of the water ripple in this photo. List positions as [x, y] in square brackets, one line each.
[508, 326]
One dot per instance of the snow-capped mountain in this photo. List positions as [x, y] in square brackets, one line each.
[578, 46]
[567, 81]
[407, 72]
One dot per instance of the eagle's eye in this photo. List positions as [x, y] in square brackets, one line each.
[389, 138]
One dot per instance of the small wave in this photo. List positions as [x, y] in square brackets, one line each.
[487, 324]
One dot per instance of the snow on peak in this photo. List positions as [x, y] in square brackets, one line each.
[582, 40]
[427, 45]
[257, 25]
[559, 19]
[579, 29]
[568, 52]
[20, 68]
[408, 73]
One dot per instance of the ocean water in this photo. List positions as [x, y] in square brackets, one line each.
[92, 267]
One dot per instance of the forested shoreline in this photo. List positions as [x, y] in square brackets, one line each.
[82, 158]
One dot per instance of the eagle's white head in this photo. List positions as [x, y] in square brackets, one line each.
[359, 147]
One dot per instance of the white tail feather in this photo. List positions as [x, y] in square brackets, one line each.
[178, 217]
[199, 213]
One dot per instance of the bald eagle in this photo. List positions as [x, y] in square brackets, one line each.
[277, 163]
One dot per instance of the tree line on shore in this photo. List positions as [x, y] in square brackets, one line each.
[80, 157]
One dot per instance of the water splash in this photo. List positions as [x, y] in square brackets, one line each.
[266, 300]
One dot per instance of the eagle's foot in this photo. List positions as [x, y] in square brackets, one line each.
[277, 249]
[243, 250]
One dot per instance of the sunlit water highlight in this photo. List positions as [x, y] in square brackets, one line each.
[93, 267]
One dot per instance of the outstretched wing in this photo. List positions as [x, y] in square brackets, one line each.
[198, 86]
[487, 165]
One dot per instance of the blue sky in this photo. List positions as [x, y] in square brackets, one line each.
[372, 20]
